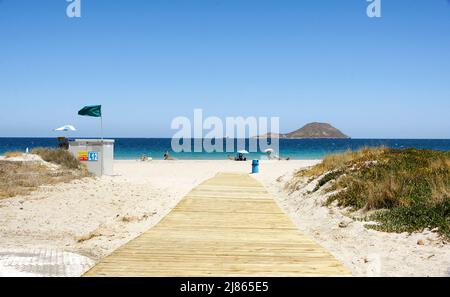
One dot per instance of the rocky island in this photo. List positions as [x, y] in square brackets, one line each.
[311, 130]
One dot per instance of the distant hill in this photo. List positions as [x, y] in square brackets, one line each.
[312, 130]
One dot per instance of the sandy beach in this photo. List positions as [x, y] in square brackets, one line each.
[94, 216]
[77, 223]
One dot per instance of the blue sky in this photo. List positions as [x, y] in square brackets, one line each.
[147, 62]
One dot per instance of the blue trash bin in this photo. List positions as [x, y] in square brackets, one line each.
[255, 166]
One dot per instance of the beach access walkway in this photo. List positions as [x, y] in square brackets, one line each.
[227, 226]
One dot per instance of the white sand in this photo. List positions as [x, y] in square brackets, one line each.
[94, 216]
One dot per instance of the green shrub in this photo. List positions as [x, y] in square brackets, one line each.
[327, 178]
[413, 185]
[416, 217]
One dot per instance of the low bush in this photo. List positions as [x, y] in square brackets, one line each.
[58, 156]
[412, 185]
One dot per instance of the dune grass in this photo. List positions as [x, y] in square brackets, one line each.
[411, 186]
[21, 178]
[13, 154]
[58, 156]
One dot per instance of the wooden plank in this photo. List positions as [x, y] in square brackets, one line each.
[227, 226]
[227, 205]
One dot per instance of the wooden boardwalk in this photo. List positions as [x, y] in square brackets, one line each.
[227, 226]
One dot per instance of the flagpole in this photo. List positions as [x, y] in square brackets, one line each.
[101, 134]
[101, 127]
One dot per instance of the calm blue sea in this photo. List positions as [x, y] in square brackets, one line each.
[133, 148]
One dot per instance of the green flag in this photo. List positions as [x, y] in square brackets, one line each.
[91, 111]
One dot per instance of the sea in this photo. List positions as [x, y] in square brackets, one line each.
[134, 148]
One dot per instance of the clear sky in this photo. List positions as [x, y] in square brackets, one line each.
[148, 61]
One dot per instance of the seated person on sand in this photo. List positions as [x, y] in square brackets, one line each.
[167, 156]
[144, 158]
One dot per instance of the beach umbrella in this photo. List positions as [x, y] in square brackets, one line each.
[66, 128]
[244, 152]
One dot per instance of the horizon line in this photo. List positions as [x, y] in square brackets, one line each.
[307, 138]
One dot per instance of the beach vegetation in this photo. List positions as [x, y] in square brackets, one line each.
[23, 177]
[404, 190]
[58, 156]
[13, 154]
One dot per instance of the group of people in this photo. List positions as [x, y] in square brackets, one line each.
[239, 157]
[166, 156]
